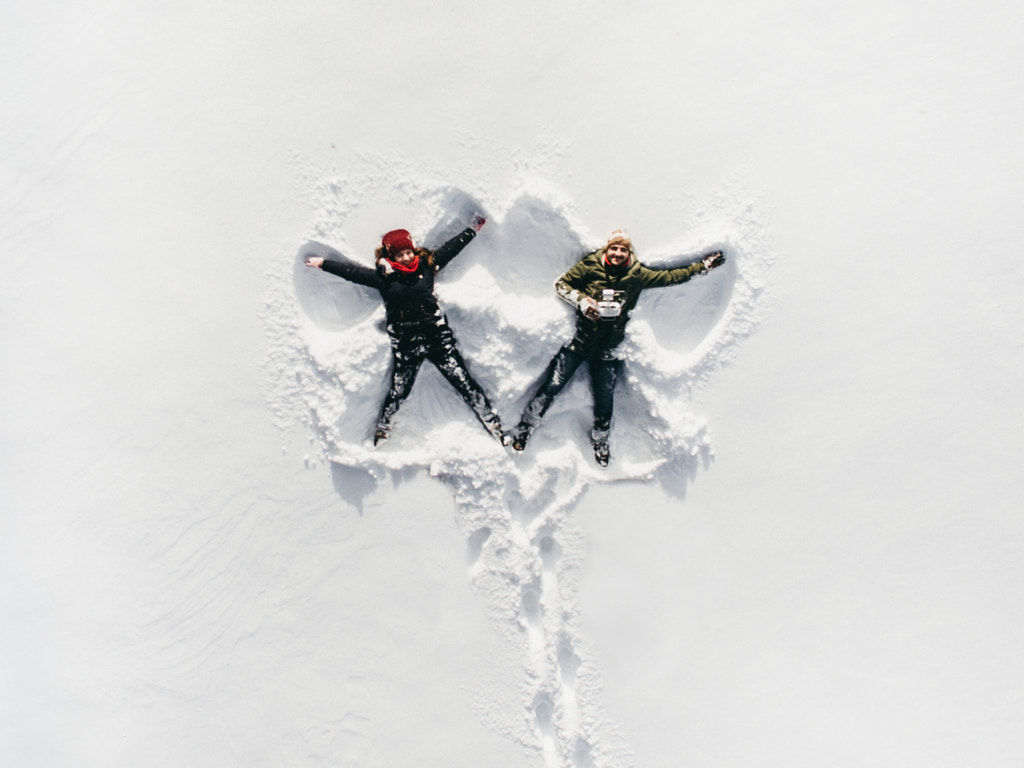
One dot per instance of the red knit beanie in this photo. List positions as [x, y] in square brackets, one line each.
[396, 241]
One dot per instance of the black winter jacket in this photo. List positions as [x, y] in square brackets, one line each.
[408, 296]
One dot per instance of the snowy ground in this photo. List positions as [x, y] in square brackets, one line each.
[809, 554]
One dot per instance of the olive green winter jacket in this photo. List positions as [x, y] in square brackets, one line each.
[591, 276]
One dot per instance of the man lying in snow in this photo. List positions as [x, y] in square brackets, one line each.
[416, 326]
[604, 286]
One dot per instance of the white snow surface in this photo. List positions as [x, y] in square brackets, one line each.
[516, 513]
[808, 547]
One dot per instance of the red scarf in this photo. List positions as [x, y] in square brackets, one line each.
[411, 267]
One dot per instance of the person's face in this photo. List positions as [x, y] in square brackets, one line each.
[404, 257]
[617, 254]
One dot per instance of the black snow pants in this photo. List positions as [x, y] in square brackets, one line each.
[433, 340]
[604, 372]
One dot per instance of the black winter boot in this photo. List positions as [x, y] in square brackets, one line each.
[599, 439]
[520, 436]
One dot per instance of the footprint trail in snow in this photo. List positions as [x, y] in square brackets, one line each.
[516, 511]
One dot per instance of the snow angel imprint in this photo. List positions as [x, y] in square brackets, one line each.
[603, 287]
[417, 328]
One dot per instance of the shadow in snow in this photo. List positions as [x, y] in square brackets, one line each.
[318, 295]
[353, 484]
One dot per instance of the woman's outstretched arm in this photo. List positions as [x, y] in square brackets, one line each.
[451, 249]
[349, 270]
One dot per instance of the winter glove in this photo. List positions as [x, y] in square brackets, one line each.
[384, 267]
[713, 260]
[478, 223]
[589, 307]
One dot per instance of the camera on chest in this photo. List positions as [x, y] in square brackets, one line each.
[610, 303]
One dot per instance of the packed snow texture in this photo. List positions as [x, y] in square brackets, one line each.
[516, 512]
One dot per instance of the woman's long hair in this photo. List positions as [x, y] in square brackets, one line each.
[423, 253]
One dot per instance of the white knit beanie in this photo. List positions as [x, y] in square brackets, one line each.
[619, 237]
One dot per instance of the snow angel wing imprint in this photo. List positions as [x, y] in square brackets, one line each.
[417, 328]
[604, 288]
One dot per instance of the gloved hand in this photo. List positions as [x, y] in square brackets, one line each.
[384, 267]
[713, 260]
[589, 308]
[317, 262]
[478, 223]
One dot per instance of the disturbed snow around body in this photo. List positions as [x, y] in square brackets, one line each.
[516, 512]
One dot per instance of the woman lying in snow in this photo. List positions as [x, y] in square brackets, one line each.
[603, 287]
[417, 327]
